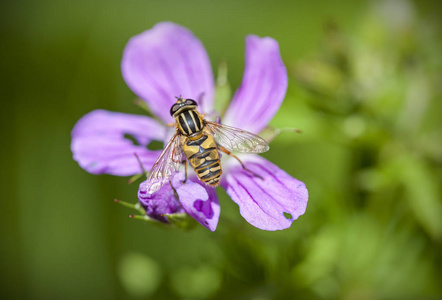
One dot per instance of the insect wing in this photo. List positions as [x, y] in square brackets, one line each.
[235, 139]
[167, 164]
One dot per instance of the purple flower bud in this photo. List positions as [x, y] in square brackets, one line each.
[196, 200]
[160, 203]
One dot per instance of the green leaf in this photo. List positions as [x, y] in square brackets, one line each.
[422, 193]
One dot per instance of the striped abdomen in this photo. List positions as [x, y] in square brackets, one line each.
[189, 122]
[204, 158]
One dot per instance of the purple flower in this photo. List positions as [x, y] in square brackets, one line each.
[159, 204]
[195, 199]
[168, 61]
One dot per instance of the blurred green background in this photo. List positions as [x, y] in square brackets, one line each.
[365, 89]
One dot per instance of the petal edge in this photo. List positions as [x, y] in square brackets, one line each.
[269, 204]
[199, 201]
[99, 144]
[167, 61]
[262, 89]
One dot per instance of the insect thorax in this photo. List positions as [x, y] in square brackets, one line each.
[189, 122]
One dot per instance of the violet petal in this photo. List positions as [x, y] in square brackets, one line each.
[269, 204]
[168, 61]
[262, 89]
[198, 200]
[99, 144]
[160, 203]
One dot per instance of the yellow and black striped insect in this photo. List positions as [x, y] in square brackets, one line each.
[199, 141]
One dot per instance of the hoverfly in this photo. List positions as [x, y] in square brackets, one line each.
[199, 141]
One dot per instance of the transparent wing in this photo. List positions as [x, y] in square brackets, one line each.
[235, 139]
[167, 164]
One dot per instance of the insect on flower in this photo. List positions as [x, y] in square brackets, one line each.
[200, 140]
[161, 63]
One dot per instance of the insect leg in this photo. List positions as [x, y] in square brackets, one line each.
[185, 171]
[174, 191]
[221, 148]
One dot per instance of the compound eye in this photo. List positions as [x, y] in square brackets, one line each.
[191, 102]
[174, 108]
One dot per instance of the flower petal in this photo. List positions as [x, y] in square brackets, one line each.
[160, 203]
[269, 204]
[198, 200]
[262, 89]
[168, 61]
[99, 144]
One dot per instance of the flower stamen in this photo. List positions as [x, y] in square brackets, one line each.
[140, 163]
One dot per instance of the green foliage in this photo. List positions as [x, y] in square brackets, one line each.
[139, 274]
